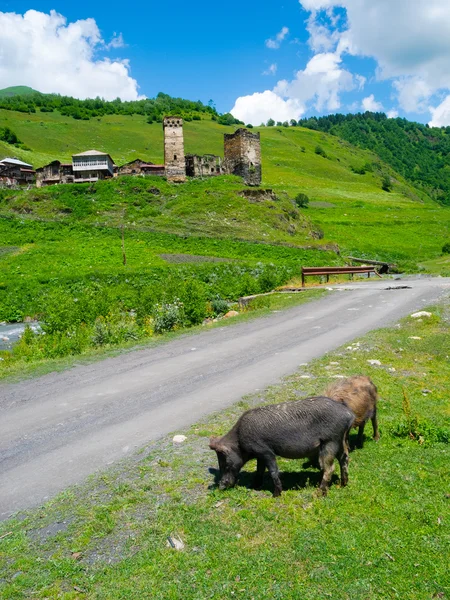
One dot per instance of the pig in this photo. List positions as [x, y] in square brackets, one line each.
[360, 395]
[313, 427]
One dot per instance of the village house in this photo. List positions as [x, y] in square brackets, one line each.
[54, 173]
[141, 167]
[91, 166]
[14, 172]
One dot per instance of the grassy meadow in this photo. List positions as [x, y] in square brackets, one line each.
[62, 254]
[385, 536]
[351, 208]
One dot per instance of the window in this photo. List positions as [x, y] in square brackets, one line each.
[174, 157]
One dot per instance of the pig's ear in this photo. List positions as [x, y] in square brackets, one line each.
[216, 444]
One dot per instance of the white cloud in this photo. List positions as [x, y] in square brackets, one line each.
[275, 43]
[413, 93]
[441, 114]
[271, 70]
[409, 40]
[317, 4]
[361, 81]
[47, 53]
[392, 114]
[321, 82]
[116, 42]
[260, 107]
[371, 104]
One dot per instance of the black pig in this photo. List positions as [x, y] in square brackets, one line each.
[314, 428]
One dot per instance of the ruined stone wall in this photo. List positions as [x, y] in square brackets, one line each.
[208, 165]
[243, 155]
[174, 159]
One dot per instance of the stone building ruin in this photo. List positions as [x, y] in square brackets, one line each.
[174, 159]
[242, 150]
[208, 165]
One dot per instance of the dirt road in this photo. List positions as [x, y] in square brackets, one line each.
[58, 429]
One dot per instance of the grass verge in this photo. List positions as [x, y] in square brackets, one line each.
[384, 536]
[32, 366]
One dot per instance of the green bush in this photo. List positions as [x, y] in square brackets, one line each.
[301, 200]
[194, 298]
[386, 183]
[219, 306]
[168, 316]
[446, 248]
[320, 151]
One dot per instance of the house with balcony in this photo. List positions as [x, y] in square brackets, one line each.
[92, 166]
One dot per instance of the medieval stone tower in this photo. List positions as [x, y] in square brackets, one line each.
[174, 149]
[242, 151]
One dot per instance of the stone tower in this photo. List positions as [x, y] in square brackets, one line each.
[174, 149]
[242, 151]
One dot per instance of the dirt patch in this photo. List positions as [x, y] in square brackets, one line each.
[319, 204]
[191, 258]
[258, 195]
[8, 250]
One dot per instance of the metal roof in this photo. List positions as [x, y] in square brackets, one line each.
[92, 153]
[15, 161]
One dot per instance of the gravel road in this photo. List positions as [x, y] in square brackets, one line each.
[58, 429]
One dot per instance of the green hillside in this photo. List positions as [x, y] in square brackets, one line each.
[419, 152]
[125, 259]
[344, 187]
[18, 90]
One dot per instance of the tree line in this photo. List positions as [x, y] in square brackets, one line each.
[153, 108]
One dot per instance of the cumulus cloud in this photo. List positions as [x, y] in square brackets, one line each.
[409, 40]
[321, 82]
[413, 93]
[441, 114]
[47, 53]
[260, 107]
[392, 114]
[275, 43]
[371, 104]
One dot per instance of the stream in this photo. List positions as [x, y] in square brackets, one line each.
[11, 333]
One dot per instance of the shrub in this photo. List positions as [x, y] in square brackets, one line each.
[320, 151]
[219, 306]
[301, 200]
[386, 183]
[194, 302]
[446, 248]
[167, 316]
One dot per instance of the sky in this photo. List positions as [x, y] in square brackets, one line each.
[258, 59]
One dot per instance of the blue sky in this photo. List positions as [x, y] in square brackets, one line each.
[256, 58]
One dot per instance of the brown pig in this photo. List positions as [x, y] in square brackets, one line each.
[360, 395]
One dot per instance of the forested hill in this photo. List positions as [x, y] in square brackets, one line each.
[419, 152]
[27, 100]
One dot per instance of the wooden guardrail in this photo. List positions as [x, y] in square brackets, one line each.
[327, 271]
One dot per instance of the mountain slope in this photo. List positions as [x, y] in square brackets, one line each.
[343, 182]
[18, 90]
[420, 153]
